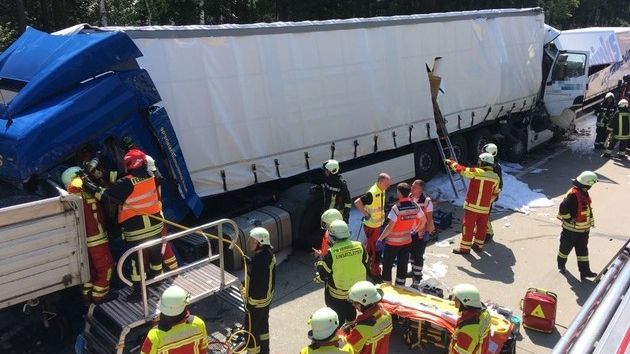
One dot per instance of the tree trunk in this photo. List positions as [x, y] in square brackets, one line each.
[102, 10]
[202, 13]
[21, 17]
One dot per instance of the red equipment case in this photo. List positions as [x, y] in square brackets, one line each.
[539, 310]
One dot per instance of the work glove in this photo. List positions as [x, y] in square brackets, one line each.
[90, 186]
[317, 279]
[380, 246]
[449, 162]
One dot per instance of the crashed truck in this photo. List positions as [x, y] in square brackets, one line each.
[239, 119]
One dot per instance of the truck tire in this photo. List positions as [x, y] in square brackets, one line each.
[426, 161]
[460, 147]
[476, 141]
[515, 152]
[305, 206]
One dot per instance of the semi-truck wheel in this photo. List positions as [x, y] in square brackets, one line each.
[477, 140]
[460, 147]
[426, 160]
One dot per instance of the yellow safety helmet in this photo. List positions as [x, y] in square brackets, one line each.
[587, 178]
[332, 166]
[609, 95]
[468, 295]
[623, 103]
[364, 293]
[491, 149]
[324, 323]
[329, 216]
[174, 300]
[261, 235]
[486, 158]
[69, 174]
[338, 229]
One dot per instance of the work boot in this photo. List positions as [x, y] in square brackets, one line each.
[588, 274]
[459, 251]
[477, 248]
[489, 238]
[606, 155]
[416, 285]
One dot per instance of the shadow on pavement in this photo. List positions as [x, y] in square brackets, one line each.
[494, 263]
[547, 340]
[582, 289]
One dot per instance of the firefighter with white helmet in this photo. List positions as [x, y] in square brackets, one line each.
[336, 193]
[494, 151]
[323, 334]
[259, 288]
[576, 215]
[472, 332]
[327, 218]
[619, 130]
[342, 266]
[604, 112]
[177, 330]
[482, 191]
[369, 333]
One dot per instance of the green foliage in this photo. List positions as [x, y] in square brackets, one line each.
[50, 15]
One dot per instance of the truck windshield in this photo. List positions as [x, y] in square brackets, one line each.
[569, 65]
[9, 89]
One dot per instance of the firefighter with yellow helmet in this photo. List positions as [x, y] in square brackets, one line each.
[323, 334]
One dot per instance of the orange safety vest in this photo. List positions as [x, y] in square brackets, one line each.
[143, 199]
[406, 219]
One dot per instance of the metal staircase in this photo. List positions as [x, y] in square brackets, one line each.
[108, 325]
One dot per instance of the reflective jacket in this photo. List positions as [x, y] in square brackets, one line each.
[344, 265]
[604, 112]
[619, 125]
[261, 282]
[93, 214]
[376, 208]
[483, 188]
[407, 218]
[144, 199]
[575, 211]
[472, 333]
[370, 334]
[332, 347]
[337, 195]
[186, 337]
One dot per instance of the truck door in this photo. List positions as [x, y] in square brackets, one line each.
[567, 81]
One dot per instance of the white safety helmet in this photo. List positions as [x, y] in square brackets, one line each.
[338, 229]
[174, 300]
[623, 103]
[324, 323]
[329, 216]
[587, 178]
[468, 295]
[364, 293]
[490, 148]
[609, 95]
[486, 158]
[69, 174]
[332, 166]
[151, 165]
[261, 235]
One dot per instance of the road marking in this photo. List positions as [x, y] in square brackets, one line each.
[541, 162]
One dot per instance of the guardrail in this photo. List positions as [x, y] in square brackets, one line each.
[139, 249]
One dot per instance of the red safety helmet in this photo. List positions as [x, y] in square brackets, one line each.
[135, 159]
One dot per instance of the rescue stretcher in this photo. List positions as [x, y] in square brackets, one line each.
[429, 320]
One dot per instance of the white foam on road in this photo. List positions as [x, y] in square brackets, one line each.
[582, 139]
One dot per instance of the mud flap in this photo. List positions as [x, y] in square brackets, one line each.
[173, 156]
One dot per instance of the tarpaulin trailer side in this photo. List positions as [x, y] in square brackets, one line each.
[266, 94]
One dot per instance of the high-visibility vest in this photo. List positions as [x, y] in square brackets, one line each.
[372, 331]
[93, 214]
[347, 267]
[584, 220]
[188, 336]
[482, 190]
[621, 129]
[376, 209]
[144, 199]
[406, 219]
[472, 333]
[332, 347]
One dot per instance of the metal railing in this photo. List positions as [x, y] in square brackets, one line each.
[139, 249]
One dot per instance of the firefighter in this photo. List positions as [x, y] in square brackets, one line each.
[340, 268]
[370, 331]
[493, 150]
[323, 334]
[336, 193]
[137, 197]
[259, 288]
[482, 191]
[618, 130]
[604, 112]
[177, 330]
[327, 218]
[405, 217]
[372, 206]
[472, 332]
[418, 238]
[577, 219]
[100, 257]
